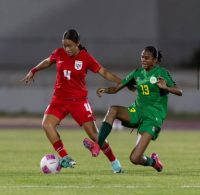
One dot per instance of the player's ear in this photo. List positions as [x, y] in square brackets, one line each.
[155, 60]
[78, 44]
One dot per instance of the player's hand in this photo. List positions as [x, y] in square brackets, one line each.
[100, 91]
[28, 78]
[161, 83]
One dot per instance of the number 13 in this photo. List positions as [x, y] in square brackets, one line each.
[145, 89]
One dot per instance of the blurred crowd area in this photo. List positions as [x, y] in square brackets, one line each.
[113, 31]
[114, 34]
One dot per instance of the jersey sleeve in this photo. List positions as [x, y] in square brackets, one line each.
[93, 64]
[168, 78]
[129, 80]
[53, 56]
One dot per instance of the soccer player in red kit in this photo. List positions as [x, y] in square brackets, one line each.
[70, 97]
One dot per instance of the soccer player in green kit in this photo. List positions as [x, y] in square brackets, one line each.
[153, 84]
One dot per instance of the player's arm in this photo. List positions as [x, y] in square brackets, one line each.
[110, 90]
[174, 90]
[42, 65]
[109, 75]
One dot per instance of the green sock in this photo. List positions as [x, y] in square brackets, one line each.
[149, 161]
[104, 132]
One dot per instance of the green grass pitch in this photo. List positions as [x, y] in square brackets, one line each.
[21, 151]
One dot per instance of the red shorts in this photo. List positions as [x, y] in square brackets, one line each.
[80, 109]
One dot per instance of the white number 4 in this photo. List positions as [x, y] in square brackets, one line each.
[67, 74]
[87, 107]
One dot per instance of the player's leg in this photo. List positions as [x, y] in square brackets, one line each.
[52, 117]
[49, 124]
[91, 129]
[92, 132]
[82, 112]
[114, 112]
[137, 156]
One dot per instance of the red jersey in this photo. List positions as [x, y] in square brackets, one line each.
[71, 73]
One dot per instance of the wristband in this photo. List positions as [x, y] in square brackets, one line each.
[34, 70]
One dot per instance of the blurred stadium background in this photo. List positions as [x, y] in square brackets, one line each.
[114, 31]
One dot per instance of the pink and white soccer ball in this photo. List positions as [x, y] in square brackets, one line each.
[50, 164]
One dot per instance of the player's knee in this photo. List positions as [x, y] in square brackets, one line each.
[112, 112]
[134, 159]
[46, 125]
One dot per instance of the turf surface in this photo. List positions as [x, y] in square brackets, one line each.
[21, 151]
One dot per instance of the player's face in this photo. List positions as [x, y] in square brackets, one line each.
[70, 47]
[147, 60]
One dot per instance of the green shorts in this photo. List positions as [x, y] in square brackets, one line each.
[143, 123]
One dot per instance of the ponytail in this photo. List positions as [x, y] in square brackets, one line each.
[82, 47]
[159, 56]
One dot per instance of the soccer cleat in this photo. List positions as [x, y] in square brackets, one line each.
[66, 162]
[116, 166]
[158, 165]
[92, 147]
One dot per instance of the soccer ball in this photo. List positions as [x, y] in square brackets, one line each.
[50, 164]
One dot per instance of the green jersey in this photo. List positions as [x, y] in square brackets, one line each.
[151, 101]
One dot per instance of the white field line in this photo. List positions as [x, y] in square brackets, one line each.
[89, 186]
[190, 186]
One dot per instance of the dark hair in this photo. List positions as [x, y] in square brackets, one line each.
[74, 36]
[155, 53]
